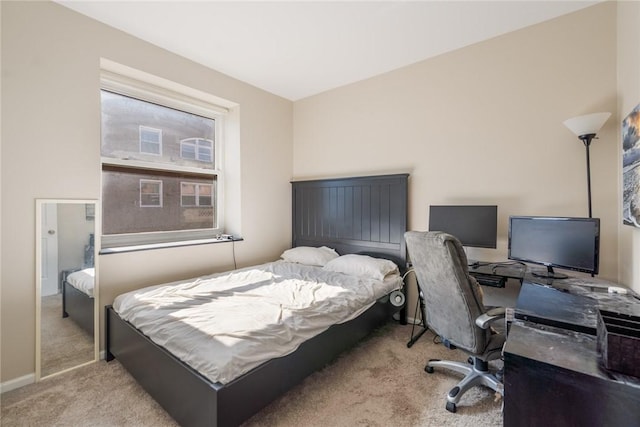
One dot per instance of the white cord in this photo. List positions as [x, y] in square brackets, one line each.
[411, 270]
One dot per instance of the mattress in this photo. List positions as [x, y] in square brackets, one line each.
[226, 324]
[83, 280]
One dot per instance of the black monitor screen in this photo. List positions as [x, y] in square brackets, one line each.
[570, 243]
[475, 226]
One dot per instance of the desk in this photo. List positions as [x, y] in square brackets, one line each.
[503, 270]
[571, 303]
[553, 376]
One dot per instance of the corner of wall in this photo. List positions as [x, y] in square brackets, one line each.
[628, 69]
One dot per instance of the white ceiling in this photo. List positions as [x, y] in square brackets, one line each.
[297, 49]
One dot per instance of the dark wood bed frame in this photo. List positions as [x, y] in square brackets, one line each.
[366, 215]
[78, 306]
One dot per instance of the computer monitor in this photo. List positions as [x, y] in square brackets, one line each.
[473, 225]
[569, 243]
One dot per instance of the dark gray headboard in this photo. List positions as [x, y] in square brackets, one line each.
[363, 215]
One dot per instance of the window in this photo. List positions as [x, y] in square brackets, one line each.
[159, 165]
[194, 194]
[205, 195]
[150, 193]
[150, 140]
[197, 149]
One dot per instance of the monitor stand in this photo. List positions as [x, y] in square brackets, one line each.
[550, 274]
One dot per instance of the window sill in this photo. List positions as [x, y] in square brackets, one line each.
[165, 245]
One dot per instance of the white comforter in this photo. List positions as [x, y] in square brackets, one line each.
[227, 324]
[83, 280]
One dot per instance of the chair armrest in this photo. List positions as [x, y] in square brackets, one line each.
[484, 320]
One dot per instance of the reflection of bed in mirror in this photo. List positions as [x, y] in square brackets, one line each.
[64, 246]
[354, 216]
[77, 303]
[77, 291]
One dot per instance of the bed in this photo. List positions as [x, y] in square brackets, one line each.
[77, 298]
[77, 291]
[364, 215]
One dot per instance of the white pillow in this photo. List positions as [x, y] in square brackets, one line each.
[309, 255]
[362, 266]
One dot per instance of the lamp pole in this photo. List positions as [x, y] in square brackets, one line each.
[586, 139]
[585, 128]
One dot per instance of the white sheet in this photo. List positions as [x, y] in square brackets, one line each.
[227, 324]
[83, 280]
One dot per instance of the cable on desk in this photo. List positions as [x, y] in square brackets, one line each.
[477, 264]
[507, 263]
[497, 265]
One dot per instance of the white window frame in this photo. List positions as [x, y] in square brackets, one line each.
[149, 88]
[156, 131]
[197, 194]
[195, 142]
[151, 181]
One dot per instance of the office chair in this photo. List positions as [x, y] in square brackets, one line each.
[454, 310]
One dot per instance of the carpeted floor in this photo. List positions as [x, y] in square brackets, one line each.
[64, 344]
[381, 382]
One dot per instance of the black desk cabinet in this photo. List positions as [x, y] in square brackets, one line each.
[553, 377]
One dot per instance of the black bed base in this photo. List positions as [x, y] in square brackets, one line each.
[366, 215]
[192, 400]
[79, 307]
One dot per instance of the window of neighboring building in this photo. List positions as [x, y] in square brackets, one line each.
[197, 149]
[159, 151]
[205, 194]
[150, 193]
[150, 140]
[194, 194]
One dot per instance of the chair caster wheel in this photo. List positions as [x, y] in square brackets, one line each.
[428, 369]
[451, 407]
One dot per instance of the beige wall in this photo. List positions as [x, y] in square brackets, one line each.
[483, 125]
[74, 230]
[51, 149]
[479, 125]
[628, 98]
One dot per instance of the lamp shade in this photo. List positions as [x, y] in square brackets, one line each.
[587, 124]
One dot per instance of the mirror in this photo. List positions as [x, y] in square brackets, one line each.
[66, 285]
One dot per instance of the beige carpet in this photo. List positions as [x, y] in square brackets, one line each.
[64, 344]
[379, 383]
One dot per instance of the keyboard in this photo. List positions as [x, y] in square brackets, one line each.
[489, 279]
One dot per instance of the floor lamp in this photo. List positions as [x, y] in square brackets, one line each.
[585, 127]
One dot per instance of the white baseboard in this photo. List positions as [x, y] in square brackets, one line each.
[410, 320]
[413, 321]
[17, 383]
[27, 379]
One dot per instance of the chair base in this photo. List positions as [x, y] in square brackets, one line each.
[476, 372]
